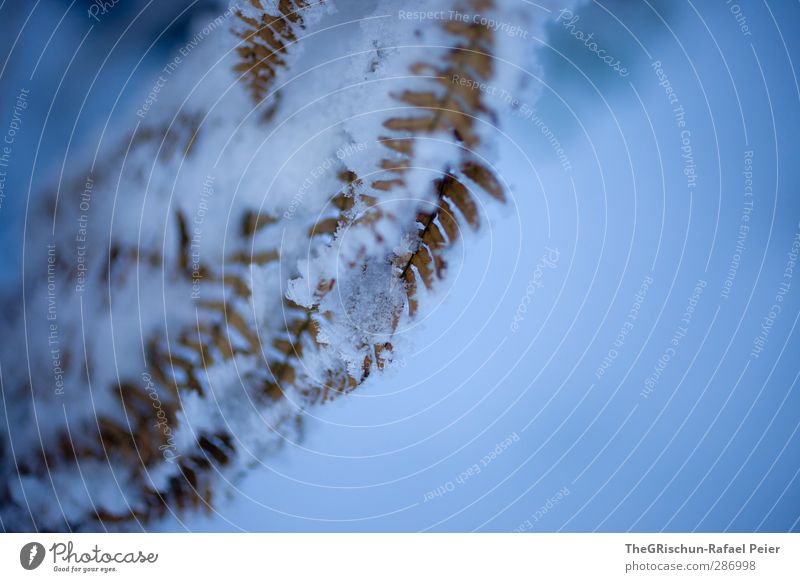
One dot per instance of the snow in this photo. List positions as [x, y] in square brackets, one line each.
[334, 100]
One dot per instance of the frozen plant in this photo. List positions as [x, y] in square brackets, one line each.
[251, 246]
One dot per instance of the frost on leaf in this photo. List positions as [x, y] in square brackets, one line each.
[292, 289]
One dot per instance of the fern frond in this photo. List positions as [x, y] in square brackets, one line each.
[267, 34]
[362, 253]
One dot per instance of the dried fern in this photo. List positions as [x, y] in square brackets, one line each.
[266, 40]
[450, 112]
[281, 379]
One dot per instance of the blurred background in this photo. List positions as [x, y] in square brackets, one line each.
[616, 363]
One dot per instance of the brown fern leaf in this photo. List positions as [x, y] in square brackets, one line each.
[343, 205]
[453, 190]
[451, 111]
[188, 490]
[325, 226]
[265, 43]
[428, 259]
[485, 178]
[336, 384]
[254, 258]
[287, 346]
[253, 221]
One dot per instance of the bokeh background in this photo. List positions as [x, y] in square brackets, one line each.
[563, 388]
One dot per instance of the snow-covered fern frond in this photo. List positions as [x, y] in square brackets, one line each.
[269, 32]
[251, 256]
